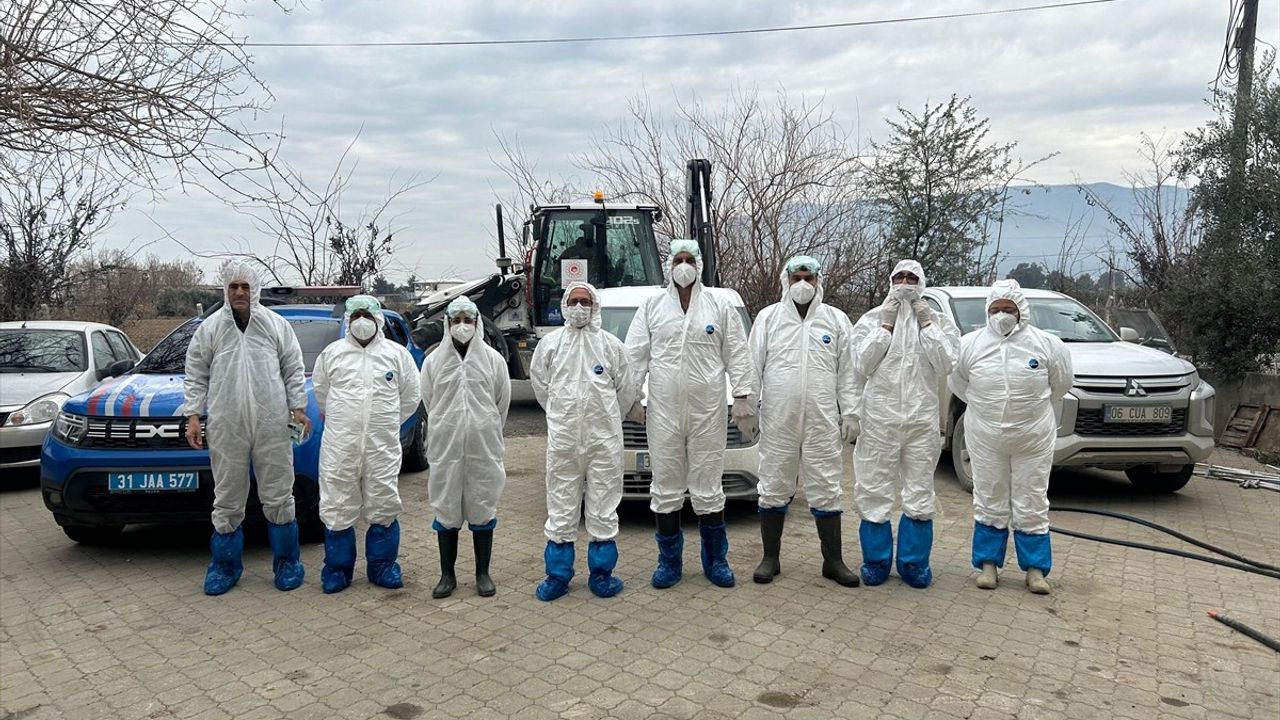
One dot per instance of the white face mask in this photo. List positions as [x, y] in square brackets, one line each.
[578, 315]
[363, 329]
[684, 274]
[802, 292]
[1002, 323]
[463, 332]
[906, 292]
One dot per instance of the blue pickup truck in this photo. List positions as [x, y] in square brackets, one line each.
[131, 425]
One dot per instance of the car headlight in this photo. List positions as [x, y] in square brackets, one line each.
[70, 428]
[40, 410]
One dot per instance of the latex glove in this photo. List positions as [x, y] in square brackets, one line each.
[921, 309]
[637, 413]
[741, 410]
[748, 427]
[849, 428]
[889, 311]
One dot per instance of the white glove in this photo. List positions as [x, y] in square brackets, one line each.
[637, 413]
[849, 428]
[741, 410]
[921, 309]
[748, 427]
[889, 311]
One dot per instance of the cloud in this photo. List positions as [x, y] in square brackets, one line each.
[1083, 82]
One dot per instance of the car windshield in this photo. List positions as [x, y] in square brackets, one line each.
[1062, 317]
[24, 350]
[170, 356]
[618, 319]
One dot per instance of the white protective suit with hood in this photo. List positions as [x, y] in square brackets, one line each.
[581, 377]
[365, 393]
[1013, 386]
[246, 383]
[467, 399]
[902, 370]
[685, 356]
[807, 381]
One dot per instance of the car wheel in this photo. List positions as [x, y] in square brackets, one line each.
[415, 456]
[960, 457]
[1147, 477]
[93, 534]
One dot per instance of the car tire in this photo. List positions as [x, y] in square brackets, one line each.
[93, 534]
[1148, 478]
[415, 456]
[960, 456]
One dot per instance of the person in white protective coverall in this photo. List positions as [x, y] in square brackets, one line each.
[903, 351]
[1012, 376]
[801, 350]
[467, 391]
[581, 377]
[367, 387]
[684, 341]
[244, 373]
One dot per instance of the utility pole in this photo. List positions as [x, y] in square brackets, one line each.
[1244, 88]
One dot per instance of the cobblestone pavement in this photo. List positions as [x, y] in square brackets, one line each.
[124, 631]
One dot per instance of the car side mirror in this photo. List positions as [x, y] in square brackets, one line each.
[116, 368]
[1128, 334]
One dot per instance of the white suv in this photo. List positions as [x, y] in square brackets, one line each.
[1130, 408]
[741, 463]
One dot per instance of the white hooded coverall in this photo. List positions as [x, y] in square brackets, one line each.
[685, 356]
[467, 399]
[1013, 387]
[900, 439]
[581, 378]
[807, 379]
[246, 383]
[366, 393]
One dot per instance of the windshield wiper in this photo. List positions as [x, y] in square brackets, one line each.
[24, 368]
[1085, 340]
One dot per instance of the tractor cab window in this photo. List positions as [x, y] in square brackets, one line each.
[615, 249]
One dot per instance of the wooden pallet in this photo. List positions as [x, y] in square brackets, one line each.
[1245, 425]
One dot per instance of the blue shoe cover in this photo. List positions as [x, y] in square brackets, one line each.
[602, 558]
[339, 560]
[670, 560]
[285, 561]
[559, 561]
[381, 548]
[715, 552]
[989, 545]
[915, 541]
[876, 540]
[225, 566]
[1033, 551]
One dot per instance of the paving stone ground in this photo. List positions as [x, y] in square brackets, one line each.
[124, 631]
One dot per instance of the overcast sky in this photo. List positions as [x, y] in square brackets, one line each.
[1082, 81]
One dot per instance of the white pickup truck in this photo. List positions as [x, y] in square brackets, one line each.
[1131, 408]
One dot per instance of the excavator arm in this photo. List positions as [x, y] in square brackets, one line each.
[700, 228]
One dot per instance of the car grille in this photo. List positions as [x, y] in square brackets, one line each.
[1089, 422]
[734, 484]
[19, 454]
[136, 433]
[635, 437]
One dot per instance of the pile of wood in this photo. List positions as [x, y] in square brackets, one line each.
[1253, 426]
[1269, 480]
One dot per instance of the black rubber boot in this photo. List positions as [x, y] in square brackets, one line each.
[771, 538]
[833, 567]
[448, 540]
[482, 541]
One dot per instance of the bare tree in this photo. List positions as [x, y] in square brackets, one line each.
[785, 183]
[50, 211]
[114, 286]
[310, 238]
[528, 186]
[130, 85]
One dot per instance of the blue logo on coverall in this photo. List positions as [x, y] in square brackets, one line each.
[598, 369]
[391, 374]
[711, 329]
[1033, 363]
[826, 339]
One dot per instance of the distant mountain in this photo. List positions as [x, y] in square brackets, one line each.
[1035, 230]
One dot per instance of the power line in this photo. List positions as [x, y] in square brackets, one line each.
[661, 36]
